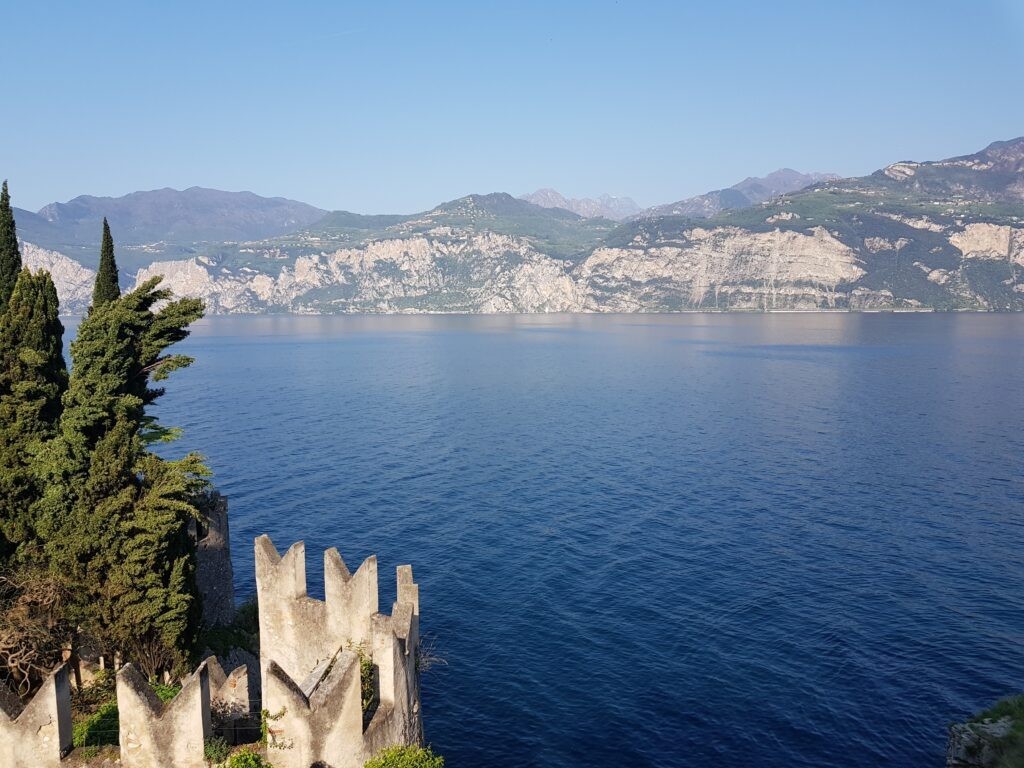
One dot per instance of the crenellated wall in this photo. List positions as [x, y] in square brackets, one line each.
[320, 720]
[157, 734]
[37, 734]
[308, 646]
[310, 660]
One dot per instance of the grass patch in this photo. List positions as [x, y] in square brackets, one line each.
[1010, 748]
[98, 729]
[406, 757]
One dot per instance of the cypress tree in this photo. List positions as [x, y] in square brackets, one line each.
[33, 378]
[114, 516]
[10, 256]
[106, 287]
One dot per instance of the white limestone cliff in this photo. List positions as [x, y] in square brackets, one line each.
[453, 270]
[73, 281]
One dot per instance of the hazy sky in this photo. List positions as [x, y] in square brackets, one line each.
[394, 107]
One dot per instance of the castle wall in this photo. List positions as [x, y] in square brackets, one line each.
[310, 673]
[214, 575]
[38, 734]
[321, 720]
[306, 645]
[158, 734]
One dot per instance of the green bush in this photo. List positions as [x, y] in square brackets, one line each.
[89, 698]
[406, 757]
[1010, 749]
[247, 759]
[165, 692]
[243, 632]
[367, 682]
[216, 749]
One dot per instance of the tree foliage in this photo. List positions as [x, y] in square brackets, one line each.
[106, 287]
[94, 527]
[113, 515]
[10, 256]
[33, 377]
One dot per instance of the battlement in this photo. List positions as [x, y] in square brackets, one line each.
[307, 647]
[298, 631]
[155, 733]
[312, 662]
[319, 719]
[37, 734]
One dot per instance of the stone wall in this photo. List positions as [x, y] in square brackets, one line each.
[157, 734]
[37, 734]
[309, 659]
[214, 576]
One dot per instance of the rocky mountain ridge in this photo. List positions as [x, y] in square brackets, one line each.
[750, 191]
[161, 221]
[945, 235]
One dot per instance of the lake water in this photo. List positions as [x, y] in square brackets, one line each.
[695, 540]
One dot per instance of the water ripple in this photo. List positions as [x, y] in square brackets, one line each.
[650, 541]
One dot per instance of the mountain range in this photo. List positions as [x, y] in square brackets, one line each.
[159, 220]
[946, 234]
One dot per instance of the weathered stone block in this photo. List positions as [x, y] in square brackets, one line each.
[214, 575]
[170, 735]
[319, 722]
[298, 631]
[37, 734]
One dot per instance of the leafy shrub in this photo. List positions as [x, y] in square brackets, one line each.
[243, 632]
[247, 759]
[1010, 749]
[367, 682]
[406, 757]
[216, 749]
[165, 692]
[102, 690]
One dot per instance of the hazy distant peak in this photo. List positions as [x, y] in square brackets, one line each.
[750, 191]
[193, 214]
[605, 206]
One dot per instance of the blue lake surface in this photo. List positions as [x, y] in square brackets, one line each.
[692, 540]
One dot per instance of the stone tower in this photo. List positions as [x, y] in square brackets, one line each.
[310, 653]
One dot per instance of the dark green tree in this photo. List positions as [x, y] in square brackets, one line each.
[10, 256]
[114, 515]
[33, 377]
[106, 287]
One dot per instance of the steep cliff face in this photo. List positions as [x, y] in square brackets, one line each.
[974, 266]
[445, 272]
[722, 268]
[73, 281]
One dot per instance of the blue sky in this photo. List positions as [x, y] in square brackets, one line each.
[394, 107]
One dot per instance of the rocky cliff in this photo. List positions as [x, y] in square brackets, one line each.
[447, 271]
[73, 281]
[977, 266]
